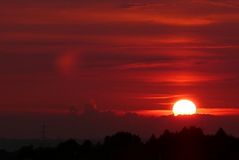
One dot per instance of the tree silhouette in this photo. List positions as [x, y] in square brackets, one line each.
[188, 144]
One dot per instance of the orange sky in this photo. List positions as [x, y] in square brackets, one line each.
[57, 54]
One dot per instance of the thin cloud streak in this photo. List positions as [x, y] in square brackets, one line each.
[202, 111]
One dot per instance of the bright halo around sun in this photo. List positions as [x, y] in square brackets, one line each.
[184, 107]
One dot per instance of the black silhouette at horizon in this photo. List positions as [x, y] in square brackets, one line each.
[188, 144]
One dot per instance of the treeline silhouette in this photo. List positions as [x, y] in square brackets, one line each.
[188, 144]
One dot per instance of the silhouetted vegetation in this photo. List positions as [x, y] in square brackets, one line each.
[188, 144]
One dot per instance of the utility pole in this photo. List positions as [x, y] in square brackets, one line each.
[43, 132]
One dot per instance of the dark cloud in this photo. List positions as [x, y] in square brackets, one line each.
[25, 63]
[99, 124]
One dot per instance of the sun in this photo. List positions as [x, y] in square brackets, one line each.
[184, 107]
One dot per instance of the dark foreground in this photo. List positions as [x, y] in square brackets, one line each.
[189, 144]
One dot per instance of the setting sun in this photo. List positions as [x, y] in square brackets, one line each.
[184, 107]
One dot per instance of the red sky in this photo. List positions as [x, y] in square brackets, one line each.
[122, 54]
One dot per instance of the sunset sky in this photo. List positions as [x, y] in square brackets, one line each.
[122, 55]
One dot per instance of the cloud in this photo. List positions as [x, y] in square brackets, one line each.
[99, 124]
[115, 50]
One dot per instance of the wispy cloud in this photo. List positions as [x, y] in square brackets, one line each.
[114, 50]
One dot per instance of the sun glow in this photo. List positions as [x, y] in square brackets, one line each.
[184, 107]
